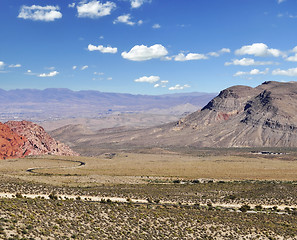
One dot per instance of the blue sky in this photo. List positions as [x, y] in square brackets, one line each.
[146, 46]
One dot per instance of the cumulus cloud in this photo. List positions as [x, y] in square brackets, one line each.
[144, 53]
[248, 62]
[51, 74]
[190, 56]
[252, 72]
[102, 49]
[156, 26]
[74, 67]
[162, 83]
[280, 1]
[179, 87]
[292, 58]
[219, 53]
[138, 3]
[258, 50]
[71, 5]
[292, 72]
[151, 79]
[2, 64]
[126, 19]
[84, 67]
[15, 65]
[95, 9]
[39, 13]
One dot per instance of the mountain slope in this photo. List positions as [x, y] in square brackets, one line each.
[19, 139]
[239, 116]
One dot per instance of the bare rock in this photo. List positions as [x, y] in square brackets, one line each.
[11, 144]
[38, 141]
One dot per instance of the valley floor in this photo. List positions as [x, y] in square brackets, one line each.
[145, 195]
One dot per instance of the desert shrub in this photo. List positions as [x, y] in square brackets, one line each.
[258, 208]
[53, 196]
[18, 195]
[245, 208]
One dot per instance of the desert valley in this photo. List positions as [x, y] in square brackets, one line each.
[148, 120]
[178, 180]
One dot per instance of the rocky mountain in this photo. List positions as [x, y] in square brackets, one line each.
[11, 144]
[18, 139]
[240, 116]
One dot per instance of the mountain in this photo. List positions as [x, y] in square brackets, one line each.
[12, 145]
[54, 103]
[240, 116]
[19, 139]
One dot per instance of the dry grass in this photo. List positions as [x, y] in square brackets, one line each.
[135, 167]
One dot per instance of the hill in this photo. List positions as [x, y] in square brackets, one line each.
[240, 116]
[19, 139]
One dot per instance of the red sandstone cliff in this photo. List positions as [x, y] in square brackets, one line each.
[39, 142]
[11, 144]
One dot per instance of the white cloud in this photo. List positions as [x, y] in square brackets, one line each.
[102, 49]
[126, 19]
[294, 49]
[84, 67]
[162, 83]
[248, 62]
[138, 3]
[292, 58]
[15, 65]
[156, 26]
[98, 73]
[179, 87]
[190, 56]
[2, 64]
[95, 9]
[74, 67]
[280, 1]
[71, 5]
[109, 78]
[151, 79]
[219, 53]
[252, 72]
[29, 71]
[292, 72]
[143, 53]
[258, 50]
[51, 74]
[39, 13]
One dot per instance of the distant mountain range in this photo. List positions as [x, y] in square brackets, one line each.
[54, 103]
[240, 116]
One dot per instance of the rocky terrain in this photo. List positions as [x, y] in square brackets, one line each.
[24, 138]
[12, 145]
[240, 116]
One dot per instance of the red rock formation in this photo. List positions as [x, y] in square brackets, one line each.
[11, 144]
[39, 142]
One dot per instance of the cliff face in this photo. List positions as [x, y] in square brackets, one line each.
[19, 139]
[11, 144]
[39, 142]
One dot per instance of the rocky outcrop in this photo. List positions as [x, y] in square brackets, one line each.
[11, 144]
[240, 116]
[38, 141]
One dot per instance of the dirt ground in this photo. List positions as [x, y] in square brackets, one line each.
[132, 168]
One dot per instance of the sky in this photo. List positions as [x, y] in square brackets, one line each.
[146, 46]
